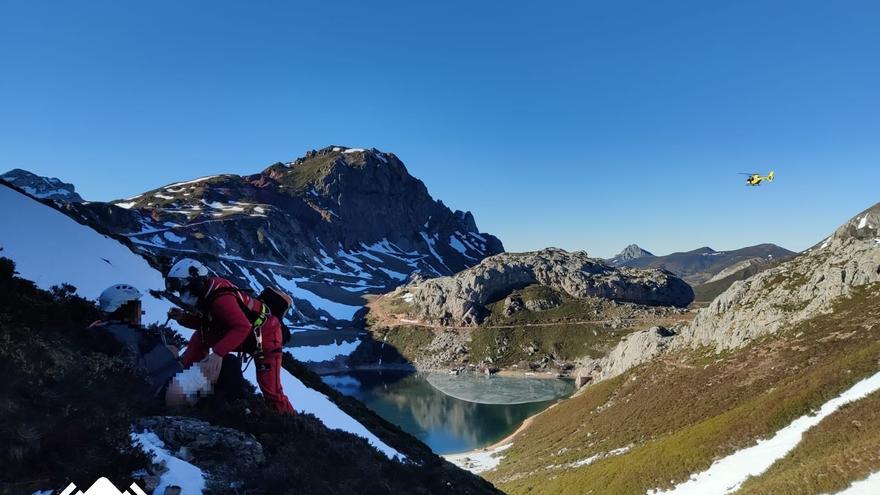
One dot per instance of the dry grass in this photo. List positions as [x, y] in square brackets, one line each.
[842, 448]
[680, 413]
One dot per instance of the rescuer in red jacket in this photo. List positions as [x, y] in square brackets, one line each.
[219, 312]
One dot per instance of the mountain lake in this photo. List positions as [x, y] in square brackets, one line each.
[451, 413]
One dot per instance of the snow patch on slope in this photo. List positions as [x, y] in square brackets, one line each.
[171, 236]
[180, 473]
[457, 244]
[430, 242]
[867, 486]
[479, 461]
[336, 310]
[728, 474]
[194, 181]
[307, 400]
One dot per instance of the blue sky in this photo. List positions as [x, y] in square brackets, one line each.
[582, 125]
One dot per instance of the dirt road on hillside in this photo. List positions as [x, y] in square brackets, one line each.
[383, 318]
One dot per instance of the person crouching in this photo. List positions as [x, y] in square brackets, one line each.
[226, 320]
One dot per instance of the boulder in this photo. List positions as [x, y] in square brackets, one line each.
[222, 453]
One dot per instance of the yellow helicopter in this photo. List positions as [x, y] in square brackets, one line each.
[755, 179]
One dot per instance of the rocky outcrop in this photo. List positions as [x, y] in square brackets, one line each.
[42, 187]
[633, 350]
[515, 303]
[793, 291]
[461, 299]
[755, 264]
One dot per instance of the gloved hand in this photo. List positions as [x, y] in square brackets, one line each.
[211, 367]
[177, 314]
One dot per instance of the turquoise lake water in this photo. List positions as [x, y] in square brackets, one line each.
[470, 412]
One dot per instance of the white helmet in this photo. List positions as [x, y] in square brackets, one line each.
[187, 268]
[183, 273]
[115, 296]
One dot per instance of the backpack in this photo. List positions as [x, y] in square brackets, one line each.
[279, 303]
[271, 302]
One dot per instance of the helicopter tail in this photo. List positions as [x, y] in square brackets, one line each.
[770, 176]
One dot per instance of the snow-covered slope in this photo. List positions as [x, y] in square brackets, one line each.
[306, 400]
[50, 248]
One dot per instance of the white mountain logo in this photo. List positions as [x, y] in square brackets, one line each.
[103, 487]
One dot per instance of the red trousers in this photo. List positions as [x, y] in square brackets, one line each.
[268, 369]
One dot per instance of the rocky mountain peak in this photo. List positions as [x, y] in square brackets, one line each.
[330, 226]
[864, 226]
[329, 163]
[631, 252]
[42, 187]
[467, 220]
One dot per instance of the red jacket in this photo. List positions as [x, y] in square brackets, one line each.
[224, 329]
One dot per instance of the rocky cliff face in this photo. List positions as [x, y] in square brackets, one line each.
[634, 349]
[42, 187]
[793, 291]
[781, 296]
[327, 227]
[462, 298]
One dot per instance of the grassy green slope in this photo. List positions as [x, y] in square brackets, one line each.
[842, 448]
[679, 413]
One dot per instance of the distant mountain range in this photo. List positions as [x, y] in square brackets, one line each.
[329, 227]
[700, 265]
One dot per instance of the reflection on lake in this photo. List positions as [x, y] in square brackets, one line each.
[322, 345]
[499, 389]
[445, 423]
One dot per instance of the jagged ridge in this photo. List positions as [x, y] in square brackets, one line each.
[328, 227]
[42, 187]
